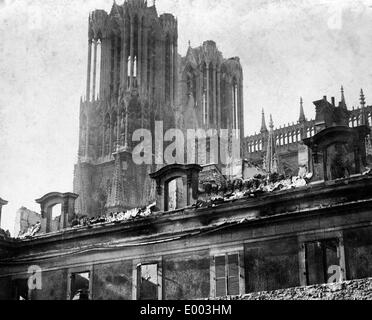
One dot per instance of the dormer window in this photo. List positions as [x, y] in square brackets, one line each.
[177, 186]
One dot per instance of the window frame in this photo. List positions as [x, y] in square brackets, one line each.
[319, 236]
[137, 263]
[75, 270]
[241, 270]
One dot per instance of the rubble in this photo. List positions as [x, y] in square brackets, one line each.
[251, 188]
[4, 234]
[131, 214]
[31, 231]
[85, 221]
[347, 290]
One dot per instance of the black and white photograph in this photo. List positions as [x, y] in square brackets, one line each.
[185, 150]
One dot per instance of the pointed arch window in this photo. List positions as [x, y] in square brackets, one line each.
[205, 111]
[135, 72]
[107, 135]
[235, 104]
[83, 137]
[114, 128]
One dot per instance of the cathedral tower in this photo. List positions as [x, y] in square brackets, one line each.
[136, 77]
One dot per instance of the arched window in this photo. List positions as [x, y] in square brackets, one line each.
[129, 64]
[83, 133]
[205, 111]
[191, 83]
[135, 72]
[99, 63]
[107, 134]
[235, 103]
[114, 131]
[122, 127]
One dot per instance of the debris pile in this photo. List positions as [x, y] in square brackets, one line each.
[31, 231]
[4, 234]
[85, 221]
[131, 214]
[348, 290]
[260, 184]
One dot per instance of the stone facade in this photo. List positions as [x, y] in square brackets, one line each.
[206, 236]
[25, 219]
[136, 77]
[291, 153]
[268, 241]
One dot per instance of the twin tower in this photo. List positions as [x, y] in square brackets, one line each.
[136, 77]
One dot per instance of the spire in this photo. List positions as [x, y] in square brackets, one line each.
[343, 102]
[362, 99]
[263, 122]
[115, 197]
[271, 161]
[302, 113]
[271, 124]
[364, 120]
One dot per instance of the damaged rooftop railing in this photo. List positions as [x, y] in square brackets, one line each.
[260, 184]
[212, 195]
[85, 221]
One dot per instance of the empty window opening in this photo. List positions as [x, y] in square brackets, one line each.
[56, 214]
[148, 282]
[174, 194]
[56, 211]
[80, 286]
[323, 261]
[20, 289]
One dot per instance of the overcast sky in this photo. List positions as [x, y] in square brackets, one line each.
[288, 48]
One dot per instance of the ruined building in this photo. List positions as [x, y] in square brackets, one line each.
[205, 235]
[137, 77]
[290, 152]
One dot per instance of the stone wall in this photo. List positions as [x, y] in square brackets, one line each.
[187, 276]
[271, 265]
[113, 281]
[54, 286]
[25, 219]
